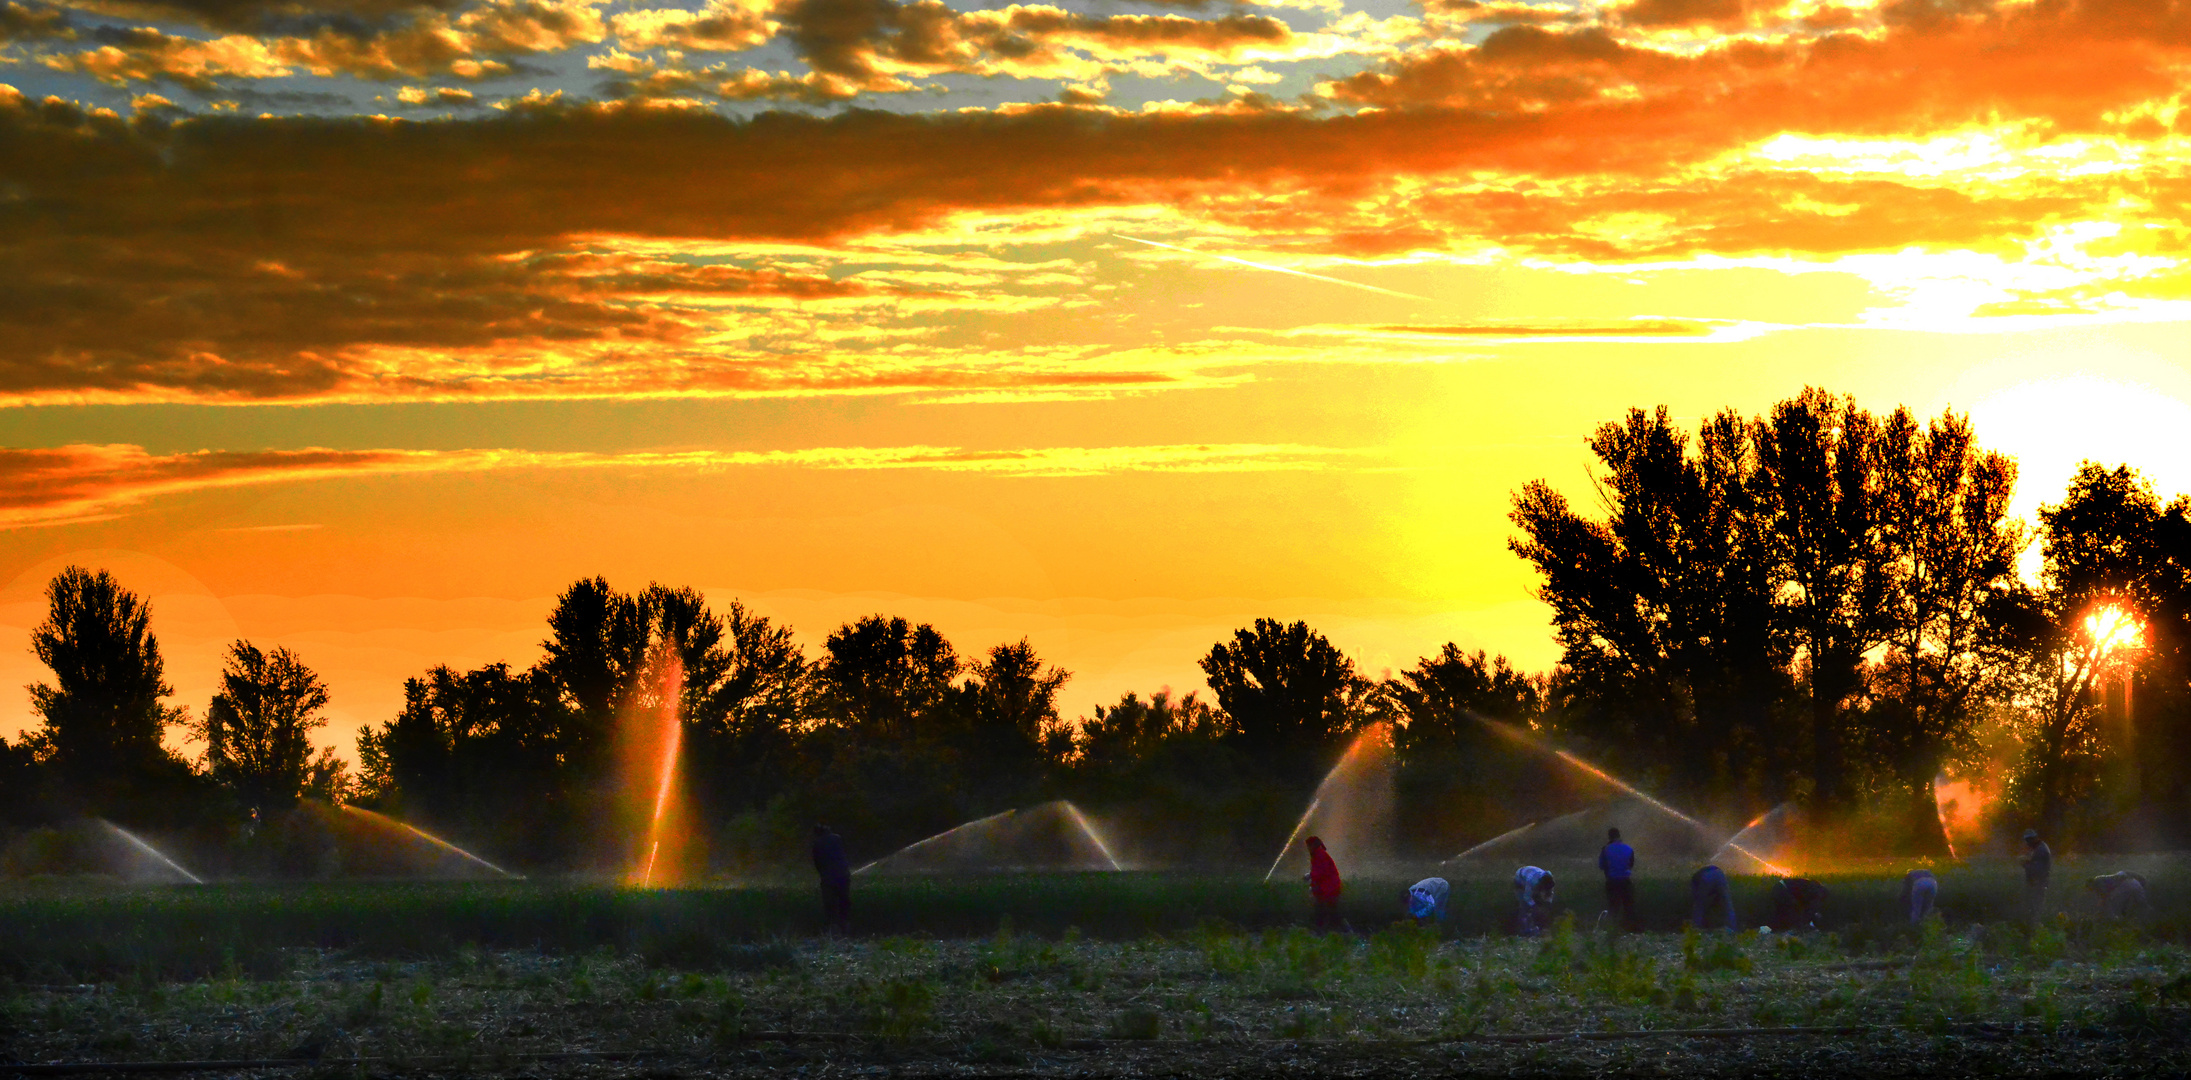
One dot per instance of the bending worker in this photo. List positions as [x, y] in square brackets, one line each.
[2122, 893]
[1618, 862]
[1920, 893]
[1533, 892]
[1709, 896]
[1797, 903]
[1426, 900]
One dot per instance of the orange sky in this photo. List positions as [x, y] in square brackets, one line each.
[364, 326]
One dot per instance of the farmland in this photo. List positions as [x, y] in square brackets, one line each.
[1074, 974]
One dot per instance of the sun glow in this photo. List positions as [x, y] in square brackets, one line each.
[2114, 629]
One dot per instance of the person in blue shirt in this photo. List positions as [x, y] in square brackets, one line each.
[1710, 900]
[1618, 861]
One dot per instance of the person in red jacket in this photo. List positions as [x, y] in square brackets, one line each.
[1324, 885]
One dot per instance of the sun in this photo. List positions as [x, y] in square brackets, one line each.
[2113, 629]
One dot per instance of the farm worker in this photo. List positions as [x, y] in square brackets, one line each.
[2121, 893]
[1618, 862]
[1324, 885]
[1920, 890]
[1708, 897]
[1797, 903]
[1426, 900]
[1533, 890]
[836, 874]
[2038, 863]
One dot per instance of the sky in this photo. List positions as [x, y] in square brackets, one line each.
[364, 327]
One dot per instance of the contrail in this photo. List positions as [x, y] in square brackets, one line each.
[1277, 269]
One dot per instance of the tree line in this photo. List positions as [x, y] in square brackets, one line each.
[1818, 606]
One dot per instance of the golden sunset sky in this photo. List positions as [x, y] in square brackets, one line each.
[366, 326]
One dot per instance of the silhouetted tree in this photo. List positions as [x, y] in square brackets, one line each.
[1818, 469]
[1120, 739]
[596, 646]
[1670, 652]
[478, 753]
[1174, 772]
[1942, 511]
[258, 729]
[19, 784]
[880, 674]
[102, 716]
[2108, 543]
[743, 712]
[1013, 735]
[1292, 695]
[1457, 778]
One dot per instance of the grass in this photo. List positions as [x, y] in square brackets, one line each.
[55, 931]
[1010, 968]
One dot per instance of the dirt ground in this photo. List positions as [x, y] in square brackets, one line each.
[1214, 1004]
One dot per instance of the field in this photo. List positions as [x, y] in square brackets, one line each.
[1093, 974]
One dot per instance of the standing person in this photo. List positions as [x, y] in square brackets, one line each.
[1533, 894]
[1618, 862]
[2038, 863]
[1797, 903]
[836, 873]
[1920, 894]
[2122, 893]
[1709, 897]
[1324, 885]
[1426, 900]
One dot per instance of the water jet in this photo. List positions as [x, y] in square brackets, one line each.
[1352, 808]
[1511, 732]
[1052, 835]
[139, 843]
[387, 822]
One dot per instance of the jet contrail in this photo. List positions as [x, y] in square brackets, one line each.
[1278, 269]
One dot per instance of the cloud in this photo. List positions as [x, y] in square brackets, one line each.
[434, 96]
[1631, 328]
[721, 26]
[355, 258]
[33, 22]
[473, 45]
[878, 45]
[84, 482]
[262, 15]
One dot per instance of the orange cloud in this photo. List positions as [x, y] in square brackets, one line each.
[33, 22]
[75, 483]
[314, 258]
[472, 45]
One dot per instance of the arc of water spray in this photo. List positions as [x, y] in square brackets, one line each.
[661, 799]
[1294, 835]
[1510, 732]
[431, 839]
[938, 836]
[1508, 834]
[1081, 820]
[1760, 819]
[1692, 822]
[152, 851]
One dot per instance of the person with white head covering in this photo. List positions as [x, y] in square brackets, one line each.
[1533, 891]
[1426, 900]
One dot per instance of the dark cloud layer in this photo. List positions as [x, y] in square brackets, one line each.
[258, 258]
